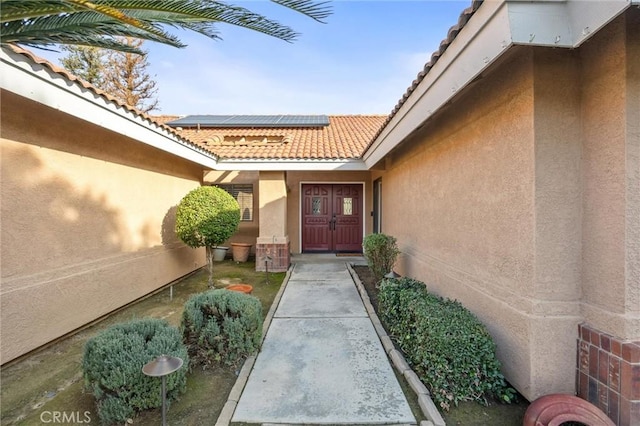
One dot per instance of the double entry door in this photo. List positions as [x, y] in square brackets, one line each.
[332, 218]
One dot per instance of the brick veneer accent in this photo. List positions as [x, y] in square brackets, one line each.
[279, 254]
[608, 374]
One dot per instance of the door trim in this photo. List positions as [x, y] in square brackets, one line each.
[330, 182]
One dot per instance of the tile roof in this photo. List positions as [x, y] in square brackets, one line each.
[151, 120]
[346, 137]
[444, 44]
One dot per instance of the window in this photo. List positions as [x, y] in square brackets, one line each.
[243, 193]
[347, 206]
[316, 206]
[377, 205]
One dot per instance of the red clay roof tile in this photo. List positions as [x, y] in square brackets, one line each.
[346, 137]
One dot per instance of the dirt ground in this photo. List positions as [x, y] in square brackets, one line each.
[50, 380]
[466, 413]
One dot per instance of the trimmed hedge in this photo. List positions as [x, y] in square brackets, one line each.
[449, 348]
[381, 252]
[222, 326]
[112, 367]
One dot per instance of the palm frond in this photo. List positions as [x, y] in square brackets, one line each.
[67, 30]
[34, 22]
[120, 16]
[54, 43]
[13, 10]
[313, 9]
[180, 11]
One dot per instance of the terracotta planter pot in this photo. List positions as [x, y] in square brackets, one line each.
[242, 288]
[240, 251]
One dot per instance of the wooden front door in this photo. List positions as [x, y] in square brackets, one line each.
[332, 217]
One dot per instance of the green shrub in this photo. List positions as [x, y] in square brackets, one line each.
[222, 326]
[207, 217]
[381, 252]
[112, 367]
[449, 348]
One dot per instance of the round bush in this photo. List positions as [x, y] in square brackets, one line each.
[112, 367]
[222, 326]
[206, 217]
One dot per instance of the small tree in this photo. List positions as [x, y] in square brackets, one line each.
[381, 252]
[207, 217]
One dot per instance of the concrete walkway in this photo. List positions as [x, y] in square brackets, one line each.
[321, 361]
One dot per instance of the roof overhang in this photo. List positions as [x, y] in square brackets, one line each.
[291, 165]
[41, 84]
[490, 32]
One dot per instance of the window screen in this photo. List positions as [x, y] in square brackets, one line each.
[243, 193]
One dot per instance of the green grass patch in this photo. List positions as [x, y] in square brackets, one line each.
[51, 379]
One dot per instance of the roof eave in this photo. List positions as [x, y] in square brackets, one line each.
[291, 165]
[489, 33]
[41, 84]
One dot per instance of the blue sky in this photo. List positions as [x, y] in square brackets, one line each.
[360, 62]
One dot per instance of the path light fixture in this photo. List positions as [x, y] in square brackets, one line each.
[267, 259]
[162, 366]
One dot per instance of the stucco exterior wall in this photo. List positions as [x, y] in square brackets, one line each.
[296, 178]
[87, 223]
[521, 200]
[477, 221]
[611, 178]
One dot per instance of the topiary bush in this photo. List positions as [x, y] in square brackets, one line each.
[222, 326]
[381, 252]
[449, 348]
[207, 217]
[112, 367]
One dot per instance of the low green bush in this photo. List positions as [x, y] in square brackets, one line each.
[449, 348]
[112, 367]
[222, 326]
[381, 252]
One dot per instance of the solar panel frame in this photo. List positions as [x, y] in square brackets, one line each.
[221, 121]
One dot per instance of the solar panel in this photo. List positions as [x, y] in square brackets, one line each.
[251, 121]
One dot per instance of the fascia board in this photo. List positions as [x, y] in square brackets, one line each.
[560, 23]
[291, 165]
[540, 24]
[586, 21]
[496, 26]
[39, 84]
[483, 40]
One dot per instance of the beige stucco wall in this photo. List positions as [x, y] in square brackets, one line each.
[477, 223]
[521, 200]
[87, 223]
[611, 178]
[296, 178]
[273, 207]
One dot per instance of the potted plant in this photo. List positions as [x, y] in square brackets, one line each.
[240, 251]
[206, 217]
[219, 253]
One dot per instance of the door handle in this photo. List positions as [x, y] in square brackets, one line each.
[332, 223]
